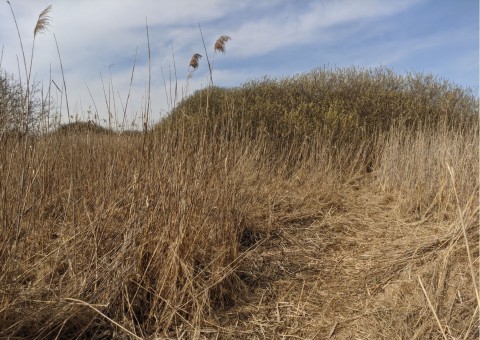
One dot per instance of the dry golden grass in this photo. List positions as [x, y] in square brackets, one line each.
[335, 204]
[209, 233]
[331, 205]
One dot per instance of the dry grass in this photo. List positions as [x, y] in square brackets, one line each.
[246, 224]
[335, 204]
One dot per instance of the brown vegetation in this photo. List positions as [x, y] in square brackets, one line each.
[285, 217]
[220, 43]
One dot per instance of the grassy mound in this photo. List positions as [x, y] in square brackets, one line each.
[342, 101]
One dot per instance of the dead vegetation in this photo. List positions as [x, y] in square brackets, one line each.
[208, 229]
[336, 204]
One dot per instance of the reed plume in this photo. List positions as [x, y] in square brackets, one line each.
[220, 43]
[43, 21]
[195, 60]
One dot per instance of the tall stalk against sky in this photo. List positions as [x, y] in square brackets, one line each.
[41, 26]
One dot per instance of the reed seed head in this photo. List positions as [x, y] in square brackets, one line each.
[43, 21]
[220, 43]
[195, 60]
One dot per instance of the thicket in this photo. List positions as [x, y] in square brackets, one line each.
[16, 117]
[345, 102]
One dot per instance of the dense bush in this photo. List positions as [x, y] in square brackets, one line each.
[343, 101]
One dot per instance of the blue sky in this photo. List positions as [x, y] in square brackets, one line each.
[99, 38]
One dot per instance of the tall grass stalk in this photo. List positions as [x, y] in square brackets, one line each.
[63, 78]
[465, 237]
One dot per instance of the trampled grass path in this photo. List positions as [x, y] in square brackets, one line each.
[351, 273]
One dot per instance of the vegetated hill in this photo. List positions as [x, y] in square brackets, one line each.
[347, 101]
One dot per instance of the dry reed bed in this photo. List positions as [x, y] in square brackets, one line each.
[109, 225]
[351, 267]
[180, 234]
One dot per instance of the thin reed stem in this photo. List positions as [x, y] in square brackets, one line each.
[432, 308]
[63, 77]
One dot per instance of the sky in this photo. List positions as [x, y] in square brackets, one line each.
[102, 42]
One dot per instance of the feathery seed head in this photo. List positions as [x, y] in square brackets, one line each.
[43, 21]
[220, 43]
[195, 60]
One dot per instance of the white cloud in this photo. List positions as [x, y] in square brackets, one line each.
[310, 25]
